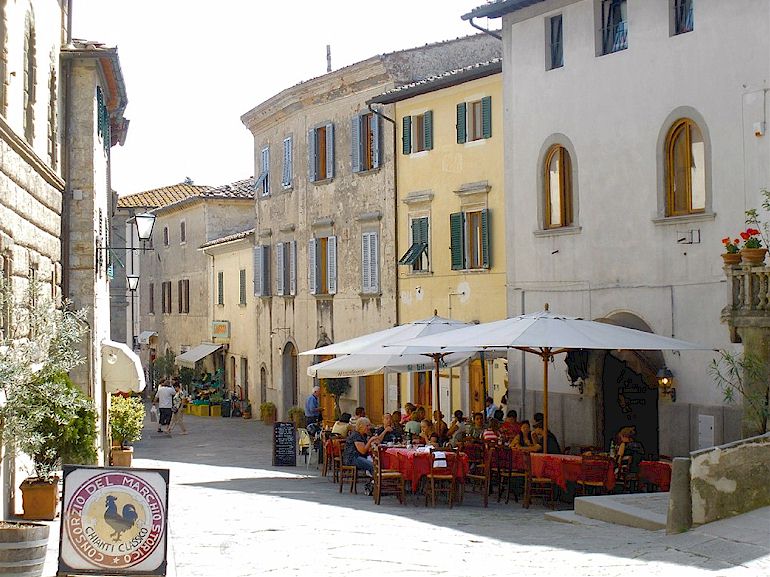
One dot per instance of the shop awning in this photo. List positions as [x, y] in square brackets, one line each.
[121, 368]
[195, 354]
[144, 337]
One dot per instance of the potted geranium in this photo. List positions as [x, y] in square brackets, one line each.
[732, 254]
[126, 423]
[752, 251]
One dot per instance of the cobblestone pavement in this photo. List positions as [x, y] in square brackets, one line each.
[232, 513]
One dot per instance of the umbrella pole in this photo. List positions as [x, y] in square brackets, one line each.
[437, 358]
[546, 356]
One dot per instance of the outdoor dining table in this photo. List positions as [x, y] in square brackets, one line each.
[414, 464]
[656, 473]
[563, 469]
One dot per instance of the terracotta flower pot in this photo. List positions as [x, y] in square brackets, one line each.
[731, 258]
[40, 499]
[753, 256]
[122, 457]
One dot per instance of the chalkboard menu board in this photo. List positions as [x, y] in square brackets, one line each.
[284, 444]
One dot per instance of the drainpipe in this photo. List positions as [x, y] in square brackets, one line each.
[66, 163]
[484, 30]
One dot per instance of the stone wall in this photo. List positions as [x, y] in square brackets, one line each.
[730, 479]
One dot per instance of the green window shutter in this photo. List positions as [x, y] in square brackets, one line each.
[423, 229]
[406, 137]
[486, 117]
[461, 124]
[220, 288]
[485, 255]
[428, 129]
[416, 230]
[457, 237]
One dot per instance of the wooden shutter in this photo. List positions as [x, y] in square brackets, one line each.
[330, 150]
[179, 294]
[427, 127]
[355, 142]
[486, 117]
[242, 286]
[279, 268]
[331, 261]
[376, 144]
[365, 263]
[258, 271]
[457, 237]
[461, 123]
[293, 267]
[312, 156]
[312, 261]
[406, 136]
[485, 254]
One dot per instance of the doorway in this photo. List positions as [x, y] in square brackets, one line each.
[245, 378]
[628, 402]
[374, 402]
[262, 385]
[477, 394]
[289, 381]
[422, 388]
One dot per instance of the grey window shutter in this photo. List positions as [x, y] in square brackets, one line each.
[485, 254]
[486, 117]
[311, 266]
[355, 142]
[428, 129]
[258, 271]
[293, 267]
[287, 162]
[457, 237]
[266, 270]
[331, 260]
[279, 264]
[330, 150]
[461, 123]
[406, 136]
[365, 263]
[374, 257]
[241, 286]
[311, 156]
[220, 291]
[376, 144]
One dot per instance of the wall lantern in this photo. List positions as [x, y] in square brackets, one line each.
[666, 383]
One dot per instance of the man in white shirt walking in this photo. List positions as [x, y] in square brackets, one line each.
[164, 398]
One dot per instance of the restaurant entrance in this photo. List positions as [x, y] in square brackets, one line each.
[374, 401]
[289, 382]
[477, 394]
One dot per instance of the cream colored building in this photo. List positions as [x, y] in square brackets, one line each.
[177, 302]
[236, 321]
[325, 239]
[450, 216]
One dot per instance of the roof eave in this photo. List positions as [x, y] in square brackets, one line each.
[498, 9]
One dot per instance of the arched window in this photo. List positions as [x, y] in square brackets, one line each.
[558, 187]
[685, 169]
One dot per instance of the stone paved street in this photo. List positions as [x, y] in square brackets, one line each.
[233, 514]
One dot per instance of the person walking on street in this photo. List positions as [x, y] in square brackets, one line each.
[164, 398]
[312, 406]
[177, 409]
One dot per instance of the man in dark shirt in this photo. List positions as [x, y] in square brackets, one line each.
[358, 444]
[390, 437]
[537, 436]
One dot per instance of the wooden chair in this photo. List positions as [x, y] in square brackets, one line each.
[345, 472]
[510, 465]
[628, 477]
[334, 458]
[479, 473]
[441, 477]
[593, 474]
[544, 485]
[386, 480]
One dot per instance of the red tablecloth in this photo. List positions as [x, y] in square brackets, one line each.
[657, 473]
[563, 468]
[414, 466]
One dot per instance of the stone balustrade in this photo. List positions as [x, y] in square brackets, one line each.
[748, 299]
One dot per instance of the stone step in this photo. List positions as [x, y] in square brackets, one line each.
[572, 518]
[645, 511]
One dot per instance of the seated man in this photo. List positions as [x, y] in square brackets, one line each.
[394, 435]
[630, 447]
[510, 427]
[537, 436]
[359, 444]
[476, 430]
[458, 428]
[490, 434]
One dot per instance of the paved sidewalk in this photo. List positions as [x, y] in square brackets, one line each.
[232, 513]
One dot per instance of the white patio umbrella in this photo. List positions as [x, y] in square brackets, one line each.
[546, 334]
[378, 352]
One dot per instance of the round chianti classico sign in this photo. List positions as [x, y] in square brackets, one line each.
[114, 521]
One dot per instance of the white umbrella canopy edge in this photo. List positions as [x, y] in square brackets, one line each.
[362, 365]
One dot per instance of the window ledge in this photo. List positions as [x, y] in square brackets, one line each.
[265, 233]
[324, 181]
[561, 231]
[695, 217]
[287, 296]
[242, 305]
[324, 297]
[290, 227]
[365, 296]
[472, 270]
[374, 170]
[418, 272]
[419, 153]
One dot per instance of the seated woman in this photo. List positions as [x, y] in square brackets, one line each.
[523, 441]
[510, 427]
[342, 425]
[629, 447]
[440, 426]
[490, 434]
[476, 429]
[412, 427]
[407, 416]
[426, 430]
[458, 429]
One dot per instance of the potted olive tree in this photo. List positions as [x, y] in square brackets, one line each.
[45, 416]
[267, 412]
[126, 423]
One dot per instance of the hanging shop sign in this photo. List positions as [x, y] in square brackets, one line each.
[220, 331]
[114, 521]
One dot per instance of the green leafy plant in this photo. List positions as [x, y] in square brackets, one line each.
[744, 376]
[186, 376]
[216, 398]
[45, 415]
[297, 415]
[267, 411]
[163, 367]
[751, 238]
[336, 387]
[126, 420]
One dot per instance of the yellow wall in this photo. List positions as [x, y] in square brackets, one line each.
[447, 168]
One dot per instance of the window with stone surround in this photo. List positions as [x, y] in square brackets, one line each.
[474, 120]
[320, 145]
[685, 169]
[322, 265]
[417, 132]
[558, 188]
[30, 72]
[365, 142]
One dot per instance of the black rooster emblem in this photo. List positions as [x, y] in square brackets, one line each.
[120, 523]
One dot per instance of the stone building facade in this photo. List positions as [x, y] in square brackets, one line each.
[635, 141]
[325, 237]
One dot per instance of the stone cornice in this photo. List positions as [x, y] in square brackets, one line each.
[23, 149]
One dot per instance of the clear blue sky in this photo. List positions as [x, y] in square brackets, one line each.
[193, 67]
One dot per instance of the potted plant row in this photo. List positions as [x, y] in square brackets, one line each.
[754, 239]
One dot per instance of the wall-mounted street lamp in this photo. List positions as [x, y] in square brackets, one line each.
[666, 383]
[132, 280]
